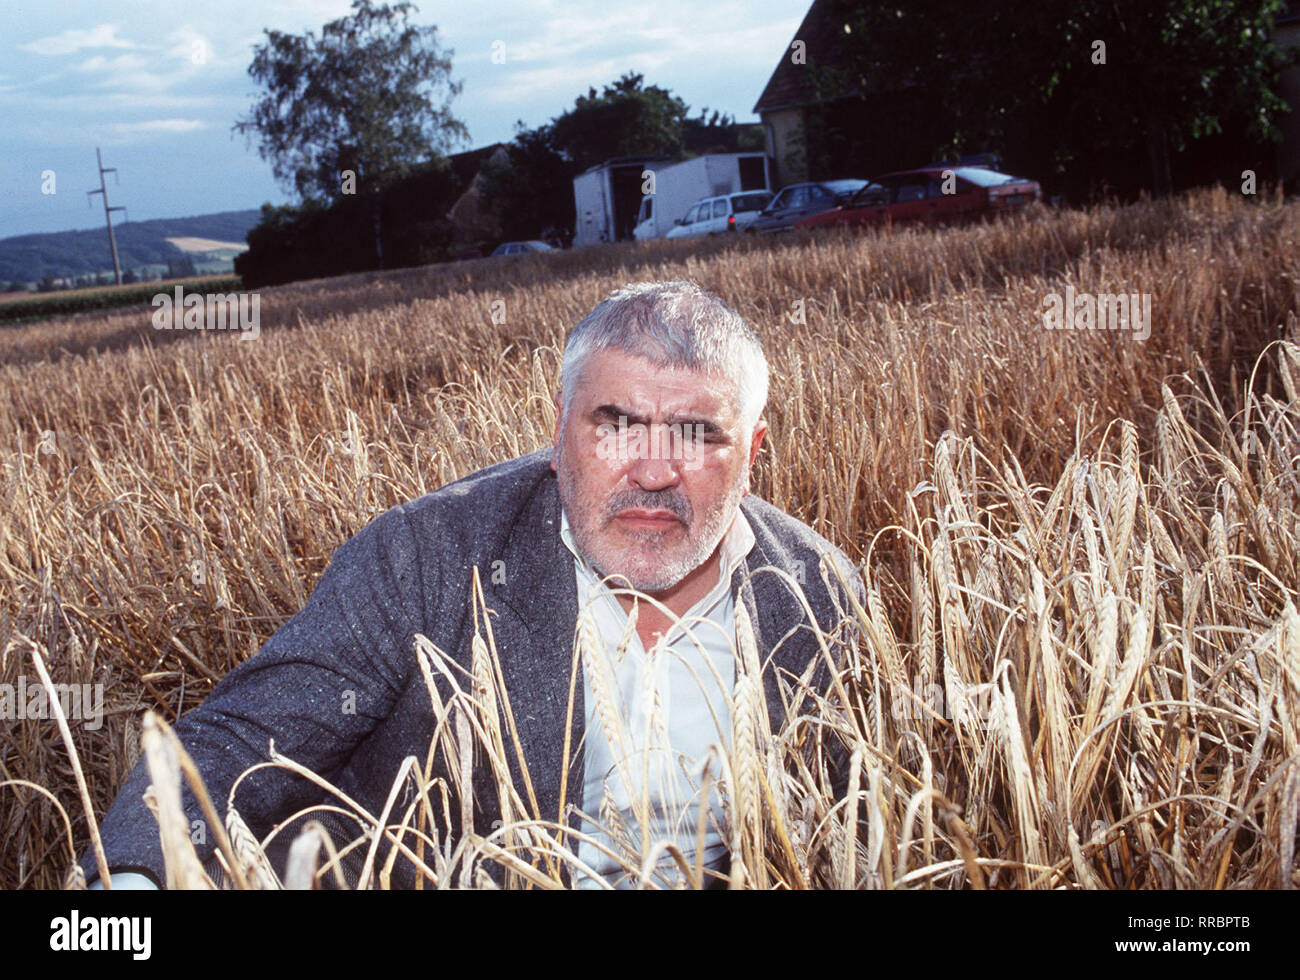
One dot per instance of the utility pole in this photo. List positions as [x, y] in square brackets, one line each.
[108, 213]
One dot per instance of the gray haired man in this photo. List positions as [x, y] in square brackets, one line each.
[638, 530]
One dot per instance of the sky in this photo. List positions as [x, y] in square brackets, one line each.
[158, 84]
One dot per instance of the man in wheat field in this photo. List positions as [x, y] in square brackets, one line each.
[635, 542]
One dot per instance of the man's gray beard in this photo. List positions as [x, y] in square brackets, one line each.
[669, 571]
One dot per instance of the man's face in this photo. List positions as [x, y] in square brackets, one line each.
[652, 463]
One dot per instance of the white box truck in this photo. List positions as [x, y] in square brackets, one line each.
[679, 185]
[606, 198]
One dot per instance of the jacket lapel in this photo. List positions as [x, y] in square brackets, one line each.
[536, 615]
[773, 612]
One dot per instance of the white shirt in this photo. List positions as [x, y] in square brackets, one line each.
[691, 671]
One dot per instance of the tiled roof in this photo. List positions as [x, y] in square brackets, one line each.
[791, 84]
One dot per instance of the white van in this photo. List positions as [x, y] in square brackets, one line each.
[670, 189]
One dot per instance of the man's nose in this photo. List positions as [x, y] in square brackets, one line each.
[653, 466]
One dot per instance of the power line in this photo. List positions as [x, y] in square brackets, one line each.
[108, 212]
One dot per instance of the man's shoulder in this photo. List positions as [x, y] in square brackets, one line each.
[467, 515]
[784, 539]
[510, 479]
[785, 529]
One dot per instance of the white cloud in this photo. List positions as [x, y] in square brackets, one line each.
[131, 101]
[152, 126]
[156, 72]
[74, 40]
[128, 72]
[141, 71]
[97, 63]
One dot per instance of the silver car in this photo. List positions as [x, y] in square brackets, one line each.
[719, 215]
[522, 248]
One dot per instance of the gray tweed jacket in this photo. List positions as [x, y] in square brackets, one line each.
[339, 689]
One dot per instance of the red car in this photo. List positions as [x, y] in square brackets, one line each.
[934, 195]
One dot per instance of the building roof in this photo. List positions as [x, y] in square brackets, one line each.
[791, 84]
[465, 165]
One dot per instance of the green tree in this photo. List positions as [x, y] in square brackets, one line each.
[532, 194]
[181, 268]
[1087, 84]
[625, 119]
[370, 97]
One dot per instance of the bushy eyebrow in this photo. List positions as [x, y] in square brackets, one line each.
[611, 413]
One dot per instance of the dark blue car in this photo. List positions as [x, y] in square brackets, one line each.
[798, 201]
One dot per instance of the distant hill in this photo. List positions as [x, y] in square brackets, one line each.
[211, 240]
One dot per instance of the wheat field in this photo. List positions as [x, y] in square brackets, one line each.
[1079, 660]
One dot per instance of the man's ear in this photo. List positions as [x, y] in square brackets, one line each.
[760, 430]
[559, 418]
[755, 442]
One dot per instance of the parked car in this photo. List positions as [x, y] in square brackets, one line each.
[799, 201]
[521, 248]
[918, 195]
[718, 215]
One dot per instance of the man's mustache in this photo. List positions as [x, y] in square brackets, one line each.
[673, 501]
